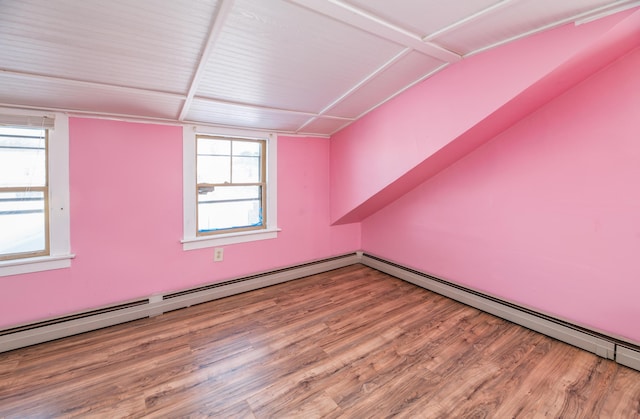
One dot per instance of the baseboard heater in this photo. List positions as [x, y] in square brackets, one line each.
[625, 353]
[34, 333]
[608, 347]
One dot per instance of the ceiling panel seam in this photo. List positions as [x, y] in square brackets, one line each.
[112, 87]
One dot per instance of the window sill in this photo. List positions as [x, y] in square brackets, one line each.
[202, 242]
[37, 264]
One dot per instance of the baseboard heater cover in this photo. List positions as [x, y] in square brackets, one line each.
[628, 357]
[31, 334]
[573, 335]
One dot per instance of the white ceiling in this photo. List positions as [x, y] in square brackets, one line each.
[298, 66]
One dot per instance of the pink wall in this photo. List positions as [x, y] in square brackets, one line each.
[126, 223]
[546, 215]
[388, 152]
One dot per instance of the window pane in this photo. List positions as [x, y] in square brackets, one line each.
[214, 169]
[210, 146]
[214, 161]
[22, 157]
[22, 222]
[246, 148]
[226, 207]
[246, 169]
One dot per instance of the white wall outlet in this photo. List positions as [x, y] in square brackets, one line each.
[218, 254]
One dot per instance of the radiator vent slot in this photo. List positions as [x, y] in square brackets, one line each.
[251, 277]
[82, 315]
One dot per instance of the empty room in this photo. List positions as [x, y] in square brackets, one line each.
[320, 208]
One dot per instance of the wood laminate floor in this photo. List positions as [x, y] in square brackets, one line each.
[352, 343]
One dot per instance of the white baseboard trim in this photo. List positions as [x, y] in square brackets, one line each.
[52, 329]
[604, 346]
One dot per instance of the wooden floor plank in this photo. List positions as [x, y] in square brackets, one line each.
[353, 342]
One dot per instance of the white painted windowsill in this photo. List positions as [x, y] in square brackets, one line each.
[202, 242]
[36, 264]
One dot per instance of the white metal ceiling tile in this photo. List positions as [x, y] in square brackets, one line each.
[409, 69]
[46, 93]
[280, 55]
[218, 113]
[515, 19]
[151, 44]
[423, 17]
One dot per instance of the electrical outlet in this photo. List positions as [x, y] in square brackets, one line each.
[218, 254]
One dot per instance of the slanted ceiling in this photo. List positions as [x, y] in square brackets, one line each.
[296, 66]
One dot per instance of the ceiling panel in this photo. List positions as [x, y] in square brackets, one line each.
[206, 111]
[55, 94]
[277, 54]
[423, 17]
[152, 44]
[401, 74]
[516, 18]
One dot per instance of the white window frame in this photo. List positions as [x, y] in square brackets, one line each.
[190, 240]
[59, 215]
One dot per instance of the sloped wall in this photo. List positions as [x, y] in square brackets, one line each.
[412, 137]
[546, 214]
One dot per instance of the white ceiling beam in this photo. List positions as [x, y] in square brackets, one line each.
[468, 19]
[216, 27]
[373, 24]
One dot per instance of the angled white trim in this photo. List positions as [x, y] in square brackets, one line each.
[368, 78]
[605, 11]
[216, 27]
[408, 86]
[581, 17]
[467, 20]
[368, 22]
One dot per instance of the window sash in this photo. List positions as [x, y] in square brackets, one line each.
[44, 189]
[261, 184]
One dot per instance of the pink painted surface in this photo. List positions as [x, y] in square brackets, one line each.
[545, 215]
[126, 223]
[394, 148]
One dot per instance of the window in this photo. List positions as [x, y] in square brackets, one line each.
[229, 186]
[24, 193]
[34, 192]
